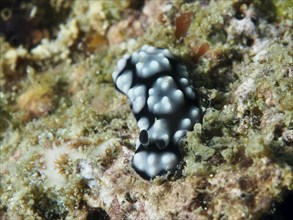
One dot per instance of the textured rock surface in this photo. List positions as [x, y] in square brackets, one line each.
[67, 136]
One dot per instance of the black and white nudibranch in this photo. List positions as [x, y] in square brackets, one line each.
[164, 104]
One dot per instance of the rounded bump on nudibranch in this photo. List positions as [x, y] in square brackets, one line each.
[145, 47]
[152, 159]
[114, 75]
[184, 81]
[123, 82]
[178, 135]
[190, 92]
[134, 57]
[143, 123]
[138, 66]
[154, 66]
[185, 123]
[169, 160]
[137, 158]
[178, 94]
[121, 64]
[138, 104]
[150, 49]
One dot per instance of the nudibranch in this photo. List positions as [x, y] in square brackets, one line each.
[164, 104]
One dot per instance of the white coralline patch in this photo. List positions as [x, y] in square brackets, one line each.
[51, 155]
[164, 104]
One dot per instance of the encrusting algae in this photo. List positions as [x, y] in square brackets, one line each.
[67, 136]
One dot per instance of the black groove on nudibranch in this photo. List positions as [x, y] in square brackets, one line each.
[164, 104]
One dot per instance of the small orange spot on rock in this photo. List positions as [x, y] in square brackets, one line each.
[37, 101]
[182, 23]
[200, 50]
[95, 41]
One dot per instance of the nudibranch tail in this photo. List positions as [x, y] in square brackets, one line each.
[164, 104]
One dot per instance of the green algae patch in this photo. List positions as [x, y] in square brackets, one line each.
[197, 153]
[208, 20]
[284, 9]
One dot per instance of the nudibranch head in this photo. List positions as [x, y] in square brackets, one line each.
[164, 104]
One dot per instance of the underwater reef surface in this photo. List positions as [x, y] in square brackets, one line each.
[67, 136]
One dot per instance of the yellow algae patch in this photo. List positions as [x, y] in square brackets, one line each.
[37, 100]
